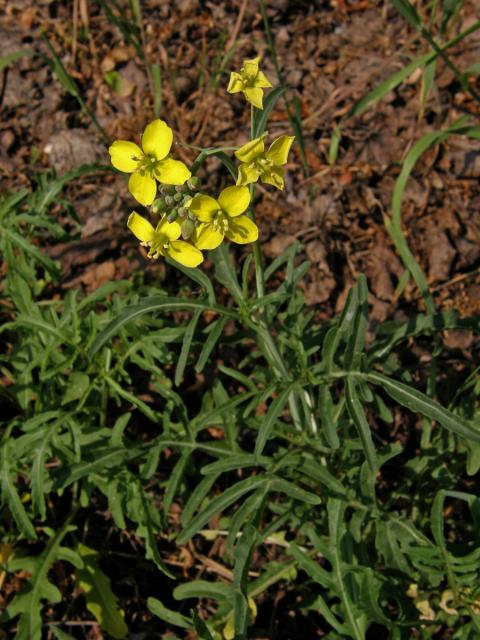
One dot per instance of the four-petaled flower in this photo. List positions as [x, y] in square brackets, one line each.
[251, 81]
[223, 217]
[268, 166]
[162, 240]
[149, 163]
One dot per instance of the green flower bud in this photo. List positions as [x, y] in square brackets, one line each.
[182, 211]
[178, 197]
[193, 183]
[169, 201]
[172, 216]
[188, 229]
[159, 205]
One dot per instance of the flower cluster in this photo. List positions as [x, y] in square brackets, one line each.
[191, 222]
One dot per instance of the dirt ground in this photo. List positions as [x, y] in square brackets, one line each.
[330, 53]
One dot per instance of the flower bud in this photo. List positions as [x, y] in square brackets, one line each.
[193, 183]
[169, 201]
[178, 197]
[172, 216]
[182, 211]
[188, 229]
[159, 205]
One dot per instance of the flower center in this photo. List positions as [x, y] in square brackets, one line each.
[263, 164]
[147, 164]
[158, 245]
[220, 221]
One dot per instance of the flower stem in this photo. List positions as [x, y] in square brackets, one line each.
[264, 333]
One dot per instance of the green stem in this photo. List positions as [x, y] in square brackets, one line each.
[269, 345]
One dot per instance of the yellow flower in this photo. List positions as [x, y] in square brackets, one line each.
[149, 163]
[251, 81]
[223, 217]
[163, 240]
[268, 166]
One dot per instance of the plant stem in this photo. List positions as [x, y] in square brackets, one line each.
[267, 340]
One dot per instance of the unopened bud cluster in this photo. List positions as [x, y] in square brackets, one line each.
[173, 202]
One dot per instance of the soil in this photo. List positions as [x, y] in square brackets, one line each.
[331, 53]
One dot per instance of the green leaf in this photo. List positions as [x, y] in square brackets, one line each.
[408, 11]
[261, 116]
[274, 410]
[357, 414]
[295, 492]
[197, 276]
[187, 343]
[225, 272]
[418, 402]
[78, 383]
[33, 251]
[356, 342]
[202, 589]
[220, 503]
[11, 497]
[242, 558]
[9, 58]
[240, 461]
[100, 599]
[167, 615]
[149, 306]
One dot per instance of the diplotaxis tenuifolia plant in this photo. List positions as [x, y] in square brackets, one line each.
[180, 455]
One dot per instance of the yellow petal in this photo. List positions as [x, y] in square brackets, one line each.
[247, 174]
[254, 95]
[142, 187]
[171, 171]
[236, 83]
[140, 227]
[251, 150]
[234, 200]
[208, 237]
[274, 177]
[204, 207]
[242, 230]
[185, 253]
[170, 229]
[278, 151]
[262, 81]
[125, 155]
[250, 68]
[157, 139]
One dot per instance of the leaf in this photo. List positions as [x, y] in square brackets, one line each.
[202, 589]
[261, 116]
[100, 599]
[219, 503]
[78, 384]
[9, 58]
[295, 492]
[187, 343]
[356, 342]
[11, 497]
[149, 306]
[242, 558]
[26, 246]
[418, 402]
[357, 414]
[225, 272]
[167, 615]
[274, 410]
[28, 603]
[408, 11]
[197, 276]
